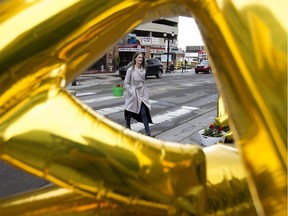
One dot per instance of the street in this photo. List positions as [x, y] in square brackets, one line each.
[182, 104]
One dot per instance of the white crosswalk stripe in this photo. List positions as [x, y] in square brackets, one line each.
[110, 110]
[93, 100]
[85, 94]
[168, 116]
[158, 119]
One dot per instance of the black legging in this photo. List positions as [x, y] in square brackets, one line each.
[144, 117]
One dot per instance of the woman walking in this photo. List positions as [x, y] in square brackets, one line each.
[137, 103]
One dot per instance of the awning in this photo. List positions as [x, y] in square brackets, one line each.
[201, 51]
[131, 48]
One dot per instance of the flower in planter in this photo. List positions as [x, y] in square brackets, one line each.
[119, 86]
[213, 134]
[118, 90]
[214, 130]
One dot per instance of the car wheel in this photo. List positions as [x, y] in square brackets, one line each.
[196, 72]
[159, 75]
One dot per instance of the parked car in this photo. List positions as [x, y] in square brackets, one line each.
[194, 62]
[204, 66]
[154, 68]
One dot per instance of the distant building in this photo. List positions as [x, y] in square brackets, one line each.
[195, 52]
[148, 38]
[151, 35]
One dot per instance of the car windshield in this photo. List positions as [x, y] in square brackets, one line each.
[204, 63]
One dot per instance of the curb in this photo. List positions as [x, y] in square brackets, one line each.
[98, 72]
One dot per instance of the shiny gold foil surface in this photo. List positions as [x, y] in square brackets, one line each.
[222, 119]
[108, 170]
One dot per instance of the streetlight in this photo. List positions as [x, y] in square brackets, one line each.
[168, 37]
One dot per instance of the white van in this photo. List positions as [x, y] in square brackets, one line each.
[194, 62]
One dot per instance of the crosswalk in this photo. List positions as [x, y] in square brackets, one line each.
[110, 110]
[93, 100]
[85, 94]
[158, 119]
[167, 116]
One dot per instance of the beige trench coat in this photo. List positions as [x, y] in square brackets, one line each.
[135, 90]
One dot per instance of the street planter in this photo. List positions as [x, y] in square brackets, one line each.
[208, 141]
[118, 90]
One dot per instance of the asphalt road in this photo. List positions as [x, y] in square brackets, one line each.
[179, 102]
[14, 180]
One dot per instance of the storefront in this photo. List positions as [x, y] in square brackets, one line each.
[156, 52]
[100, 65]
[127, 51]
[202, 55]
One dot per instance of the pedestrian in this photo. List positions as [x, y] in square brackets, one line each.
[172, 67]
[137, 105]
[182, 67]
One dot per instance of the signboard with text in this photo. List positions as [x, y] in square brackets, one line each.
[164, 58]
[132, 49]
[149, 41]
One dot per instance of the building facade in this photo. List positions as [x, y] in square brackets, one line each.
[156, 35]
[157, 39]
[193, 53]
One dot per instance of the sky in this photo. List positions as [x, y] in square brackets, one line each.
[188, 33]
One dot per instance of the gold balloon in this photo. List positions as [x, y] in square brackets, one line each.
[46, 131]
[226, 192]
[227, 189]
[222, 119]
[53, 200]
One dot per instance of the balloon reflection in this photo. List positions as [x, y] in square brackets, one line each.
[49, 133]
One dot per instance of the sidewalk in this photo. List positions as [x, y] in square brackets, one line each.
[89, 80]
[187, 132]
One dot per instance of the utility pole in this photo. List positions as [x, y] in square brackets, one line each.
[167, 38]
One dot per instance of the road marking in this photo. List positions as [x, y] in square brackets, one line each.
[168, 116]
[99, 99]
[85, 94]
[110, 110]
[158, 119]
